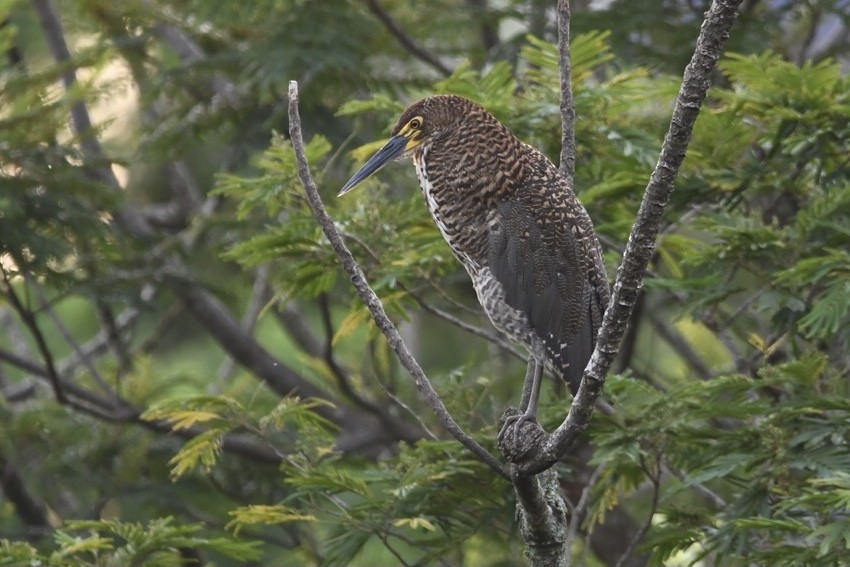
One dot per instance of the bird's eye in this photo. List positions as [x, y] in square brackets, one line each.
[415, 124]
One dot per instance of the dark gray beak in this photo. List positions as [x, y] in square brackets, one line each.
[391, 151]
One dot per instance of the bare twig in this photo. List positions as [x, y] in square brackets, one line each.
[73, 395]
[385, 540]
[568, 109]
[655, 479]
[400, 403]
[405, 40]
[368, 296]
[403, 430]
[641, 245]
[491, 336]
[86, 360]
[111, 331]
[294, 321]
[29, 320]
[259, 294]
[456, 304]
[709, 495]
[160, 330]
[469, 327]
[578, 512]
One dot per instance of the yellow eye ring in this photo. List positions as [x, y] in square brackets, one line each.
[415, 124]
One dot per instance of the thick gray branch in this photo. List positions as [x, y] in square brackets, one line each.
[542, 519]
[641, 245]
[241, 345]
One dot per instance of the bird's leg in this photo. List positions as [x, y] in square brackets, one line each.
[536, 381]
[530, 396]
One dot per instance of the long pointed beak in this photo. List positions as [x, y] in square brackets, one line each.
[391, 150]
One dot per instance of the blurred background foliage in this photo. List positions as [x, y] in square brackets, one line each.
[187, 379]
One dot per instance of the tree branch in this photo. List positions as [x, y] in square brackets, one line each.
[238, 343]
[682, 347]
[111, 331]
[80, 118]
[29, 320]
[655, 478]
[697, 78]
[542, 515]
[368, 296]
[259, 296]
[70, 340]
[405, 40]
[127, 218]
[344, 382]
[485, 334]
[568, 109]
[577, 513]
[294, 321]
[31, 511]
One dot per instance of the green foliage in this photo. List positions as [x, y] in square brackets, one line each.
[782, 225]
[159, 543]
[733, 400]
[295, 236]
[407, 501]
[222, 415]
[273, 190]
[775, 448]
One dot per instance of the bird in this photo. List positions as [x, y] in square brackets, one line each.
[514, 222]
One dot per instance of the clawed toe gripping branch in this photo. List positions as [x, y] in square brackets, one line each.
[541, 509]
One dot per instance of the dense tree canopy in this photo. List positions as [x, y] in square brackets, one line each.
[187, 378]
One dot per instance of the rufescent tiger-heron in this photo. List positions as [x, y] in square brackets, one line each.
[515, 224]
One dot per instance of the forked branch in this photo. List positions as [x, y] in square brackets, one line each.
[641, 245]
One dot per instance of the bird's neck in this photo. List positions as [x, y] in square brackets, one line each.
[461, 180]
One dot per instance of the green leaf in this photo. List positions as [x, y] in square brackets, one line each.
[265, 515]
[203, 449]
[833, 537]
[415, 523]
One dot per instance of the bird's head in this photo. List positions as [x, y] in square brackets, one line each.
[418, 126]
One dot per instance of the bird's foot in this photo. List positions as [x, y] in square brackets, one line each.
[513, 420]
[519, 435]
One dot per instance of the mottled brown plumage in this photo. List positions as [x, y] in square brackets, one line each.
[514, 223]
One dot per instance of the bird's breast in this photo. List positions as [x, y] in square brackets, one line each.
[457, 225]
